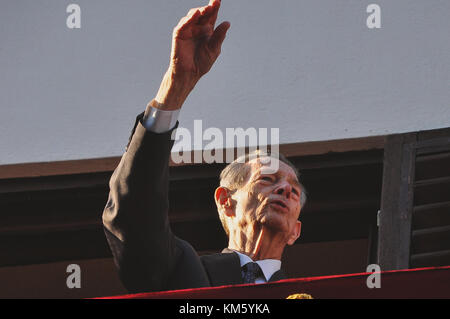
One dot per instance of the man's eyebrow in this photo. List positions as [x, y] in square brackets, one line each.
[267, 172]
[264, 172]
[290, 179]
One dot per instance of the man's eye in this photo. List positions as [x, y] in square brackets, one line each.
[267, 178]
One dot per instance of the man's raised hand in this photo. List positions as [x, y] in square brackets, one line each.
[196, 44]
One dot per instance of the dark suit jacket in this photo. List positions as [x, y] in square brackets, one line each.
[148, 255]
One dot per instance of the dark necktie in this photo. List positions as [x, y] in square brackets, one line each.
[250, 272]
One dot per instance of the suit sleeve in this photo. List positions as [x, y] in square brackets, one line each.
[136, 214]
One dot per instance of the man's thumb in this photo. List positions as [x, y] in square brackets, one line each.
[215, 42]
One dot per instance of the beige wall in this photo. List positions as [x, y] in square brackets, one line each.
[311, 68]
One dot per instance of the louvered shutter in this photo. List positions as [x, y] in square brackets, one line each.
[414, 220]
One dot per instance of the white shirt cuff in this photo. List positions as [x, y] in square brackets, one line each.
[160, 121]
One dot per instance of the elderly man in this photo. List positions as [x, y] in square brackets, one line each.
[259, 208]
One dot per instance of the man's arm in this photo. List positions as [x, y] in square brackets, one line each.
[136, 215]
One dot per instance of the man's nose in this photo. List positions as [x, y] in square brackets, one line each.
[284, 188]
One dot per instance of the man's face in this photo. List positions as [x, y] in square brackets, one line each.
[270, 199]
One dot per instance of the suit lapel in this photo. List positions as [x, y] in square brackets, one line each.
[223, 269]
[278, 275]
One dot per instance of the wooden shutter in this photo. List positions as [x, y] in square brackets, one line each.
[414, 220]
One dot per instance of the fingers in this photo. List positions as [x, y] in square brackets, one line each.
[202, 16]
[189, 19]
[216, 40]
[210, 12]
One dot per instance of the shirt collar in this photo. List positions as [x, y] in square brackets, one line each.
[268, 266]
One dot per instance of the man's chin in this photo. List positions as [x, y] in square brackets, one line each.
[274, 220]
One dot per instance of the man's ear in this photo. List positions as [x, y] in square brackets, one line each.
[295, 233]
[224, 203]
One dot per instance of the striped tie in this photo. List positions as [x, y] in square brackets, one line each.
[250, 272]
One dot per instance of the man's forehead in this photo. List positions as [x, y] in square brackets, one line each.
[264, 167]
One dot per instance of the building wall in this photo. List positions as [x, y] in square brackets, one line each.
[311, 68]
